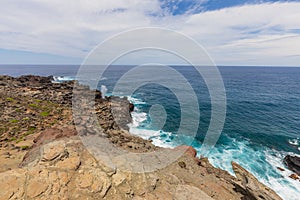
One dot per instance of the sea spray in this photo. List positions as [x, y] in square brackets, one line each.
[103, 91]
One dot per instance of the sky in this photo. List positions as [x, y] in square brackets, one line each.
[256, 32]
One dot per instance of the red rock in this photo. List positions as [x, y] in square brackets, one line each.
[47, 136]
[52, 134]
[294, 176]
[188, 150]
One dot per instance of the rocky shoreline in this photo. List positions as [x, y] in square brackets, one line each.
[42, 155]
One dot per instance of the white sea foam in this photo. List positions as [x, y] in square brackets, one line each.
[155, 136]
[261, 162]
[58, 79]
[135, 101]
[138, 118]
[294, 142]
[159, 138]
[286, 187]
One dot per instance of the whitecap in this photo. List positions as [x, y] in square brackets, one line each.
[135, 100]
[58, 79]
[138, 118]
[294, 142]
[155, 136]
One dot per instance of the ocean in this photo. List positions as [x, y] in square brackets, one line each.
[262, 123]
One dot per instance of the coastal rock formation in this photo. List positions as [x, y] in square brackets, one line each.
[293, 163]
[250, 186]
[64, 169]
[46, 159]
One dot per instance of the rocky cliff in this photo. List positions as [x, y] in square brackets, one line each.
[43, 157]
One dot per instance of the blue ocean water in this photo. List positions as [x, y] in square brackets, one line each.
[262, 121]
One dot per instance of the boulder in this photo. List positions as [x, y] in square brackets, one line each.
[293, 163]
[131, 107]
[294, 176]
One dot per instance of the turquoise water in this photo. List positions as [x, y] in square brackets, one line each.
[262, 122]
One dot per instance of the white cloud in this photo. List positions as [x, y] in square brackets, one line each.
[251, 34]
[66, 27]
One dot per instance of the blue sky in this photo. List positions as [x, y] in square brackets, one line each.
[244, 32]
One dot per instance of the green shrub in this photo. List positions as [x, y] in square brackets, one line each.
[30, 131]
[24, 147]
[31, 128]
[33, 105]
[9, 99]
[14, 121]
[45, 114]
[12, 139]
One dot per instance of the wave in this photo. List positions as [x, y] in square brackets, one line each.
[286, 187]
[138, 118]
[59, 79]
[294, 142]
[139, 126]
[259, 160]
[135, 101]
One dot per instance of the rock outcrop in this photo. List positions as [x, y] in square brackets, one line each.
[253, 189]
[64, 169]
[293, 163]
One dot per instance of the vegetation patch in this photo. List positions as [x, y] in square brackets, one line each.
[28, 133]
[33, 105]
[45, 114]
[12, 139]
[14, 121]
[25, 147]
[20, 140]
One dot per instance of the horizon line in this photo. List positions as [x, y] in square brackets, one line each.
[173, 65]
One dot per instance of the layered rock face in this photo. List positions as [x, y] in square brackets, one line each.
[293, 163]
[64, 169]
[250, 186]
[57, 165]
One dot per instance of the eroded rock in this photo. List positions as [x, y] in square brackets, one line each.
[250, 186]
[293, 163]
